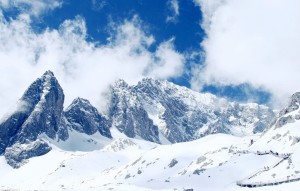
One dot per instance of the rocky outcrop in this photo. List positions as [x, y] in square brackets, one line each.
[85, 118]
[17, 154]
[153, 110]
[129, 116]
[289, 113]
[179, 113]
[38, 111]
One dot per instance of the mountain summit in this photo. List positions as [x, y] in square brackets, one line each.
[161, 111]
[153, 110]
[39, 112]
[85, 118]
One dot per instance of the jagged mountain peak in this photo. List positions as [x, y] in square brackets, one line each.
[155, 83]
[290, 113]
[79, 102]
[48, 73]
[120, 83]
[293, 104]
[151, 81]
[42, 86]
[154, 110]
[85, 118]
[45, 98]
[165, 89]
[49, 79]
[182, 114]
[39, 111]
[144, 83]
[283, 135]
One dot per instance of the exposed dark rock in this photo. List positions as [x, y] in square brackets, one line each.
[129, 116]
[173, 163]
[85, 118]
[38, 111]
[184, 115]
[17, 154]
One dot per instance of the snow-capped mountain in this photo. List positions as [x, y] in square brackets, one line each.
[130, 148]
[128, 114]
[40, 112]
[281, 141]
[284, 134]
[85, 118]
[153, 110]
[161, 111]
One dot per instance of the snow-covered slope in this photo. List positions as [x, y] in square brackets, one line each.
[215, 162]
[61, 169]
[281, 140]
[154, 107]
[284, 134]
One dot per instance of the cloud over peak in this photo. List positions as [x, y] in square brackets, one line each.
[252, 41]
[84, 68]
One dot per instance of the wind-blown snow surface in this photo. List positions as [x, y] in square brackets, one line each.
[215, 162]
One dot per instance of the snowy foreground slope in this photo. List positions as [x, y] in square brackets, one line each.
[215, 162]
[217, 145]
[134, 164]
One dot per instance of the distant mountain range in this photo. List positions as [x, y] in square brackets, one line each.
[153, 136]
[159, 110]
[153, 110]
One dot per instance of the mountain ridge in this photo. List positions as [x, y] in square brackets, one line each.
[240, 147]
[182, 114]
[39, 111]
[153, 110]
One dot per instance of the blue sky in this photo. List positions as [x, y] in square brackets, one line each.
[204, 45]
[185, 28]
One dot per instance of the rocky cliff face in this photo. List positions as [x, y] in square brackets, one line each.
[283, 135]
[128, 114]
[181, 114]
[40, 112]
[85, 118]
[290, 113]
[153, 110]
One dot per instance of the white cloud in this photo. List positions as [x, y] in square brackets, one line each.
[83, 68]
[252, 41]
[168, 62]
[98, 4]
[32, 7]
[173, 6]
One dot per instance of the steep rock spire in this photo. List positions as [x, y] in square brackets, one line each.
[38, 111]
